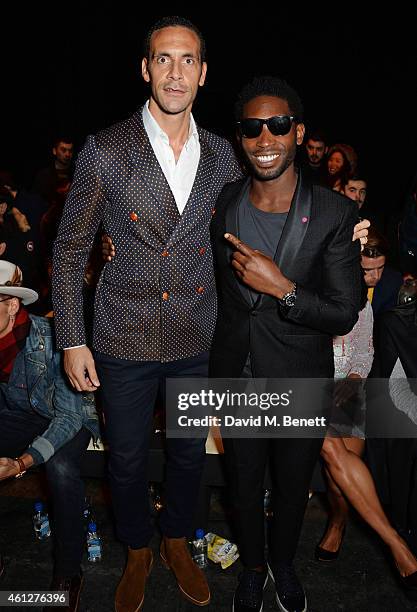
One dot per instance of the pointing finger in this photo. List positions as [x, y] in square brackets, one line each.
[238, 244]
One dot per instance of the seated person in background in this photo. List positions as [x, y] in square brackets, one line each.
[31, 205]
[349, 480]
[383, 281]
[43, 421]
[339, 166]
[18, 244]
[407, 232]
[59, 170]
[396, 359]
[315, 150]
[355, 189]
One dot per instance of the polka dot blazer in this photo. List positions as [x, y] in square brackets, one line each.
[156, 299]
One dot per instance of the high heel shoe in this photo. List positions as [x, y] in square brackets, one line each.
[321, 554]
[408, 584]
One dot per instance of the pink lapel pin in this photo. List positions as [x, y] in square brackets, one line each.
[304, 219]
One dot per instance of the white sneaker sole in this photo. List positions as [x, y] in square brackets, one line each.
[262, 605]
[280, 605]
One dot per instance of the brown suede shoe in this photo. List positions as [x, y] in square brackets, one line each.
[190, 578]
[130, 593]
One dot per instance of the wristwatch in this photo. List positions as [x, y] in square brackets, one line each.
[288, 300]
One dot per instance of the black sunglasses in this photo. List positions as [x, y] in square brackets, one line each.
[279, 125]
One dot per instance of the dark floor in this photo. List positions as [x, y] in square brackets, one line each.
[362, 579]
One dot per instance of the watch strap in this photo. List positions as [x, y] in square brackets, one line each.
[289, 294]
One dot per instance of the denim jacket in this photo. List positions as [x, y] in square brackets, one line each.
[38, 383]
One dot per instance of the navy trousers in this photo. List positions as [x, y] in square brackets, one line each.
[129, 390]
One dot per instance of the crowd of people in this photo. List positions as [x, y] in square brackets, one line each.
[168, 253]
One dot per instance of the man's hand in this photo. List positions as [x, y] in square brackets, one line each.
[8, 468]
[257, 270]
[107, 248]
[80, 368]
[361, 231]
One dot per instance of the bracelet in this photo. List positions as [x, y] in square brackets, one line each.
[22, 467]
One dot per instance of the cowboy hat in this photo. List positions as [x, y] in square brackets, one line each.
[11, 283]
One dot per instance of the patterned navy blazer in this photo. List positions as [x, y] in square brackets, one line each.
[156, 300]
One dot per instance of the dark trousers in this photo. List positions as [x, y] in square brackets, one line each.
[402, 480]
[129, 390]
[292, 465]
[68, 497]
[18, 429]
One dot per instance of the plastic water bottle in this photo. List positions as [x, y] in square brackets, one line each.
[199, 550]
[93, 544]
[41, 522]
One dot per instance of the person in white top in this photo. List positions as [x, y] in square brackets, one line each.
[348, 478]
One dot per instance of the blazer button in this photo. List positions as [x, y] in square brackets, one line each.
[200, 289]
[164, 253]
[165, 295]
[202, 250]
[133, 216]
[254, 313]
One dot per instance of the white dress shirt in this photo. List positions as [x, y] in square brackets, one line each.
[180, 175]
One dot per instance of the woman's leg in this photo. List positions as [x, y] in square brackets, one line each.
[354, 479]
[339, 507]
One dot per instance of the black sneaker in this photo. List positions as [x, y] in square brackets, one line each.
[249, 593]
[290, 594]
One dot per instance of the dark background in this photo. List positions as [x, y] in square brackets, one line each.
[76, 67]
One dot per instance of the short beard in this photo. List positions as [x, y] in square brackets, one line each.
[276, 174]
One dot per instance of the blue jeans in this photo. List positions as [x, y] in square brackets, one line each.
[17, 431]
[129, 390]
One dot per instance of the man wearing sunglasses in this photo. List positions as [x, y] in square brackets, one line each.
[288, 279]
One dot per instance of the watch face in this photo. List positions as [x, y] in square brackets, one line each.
[290, 301]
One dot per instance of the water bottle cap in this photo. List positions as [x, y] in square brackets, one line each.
[92, 527]
[38, 506]
[199, 534]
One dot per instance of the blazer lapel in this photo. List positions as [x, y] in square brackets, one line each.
[145, 162]
[294, 231]
[295, 227]
[199, 204]
[232, 226]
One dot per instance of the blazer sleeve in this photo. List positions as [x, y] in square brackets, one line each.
[335, 309]
[83, 212]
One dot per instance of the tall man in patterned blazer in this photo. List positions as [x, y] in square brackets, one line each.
[152, 182]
